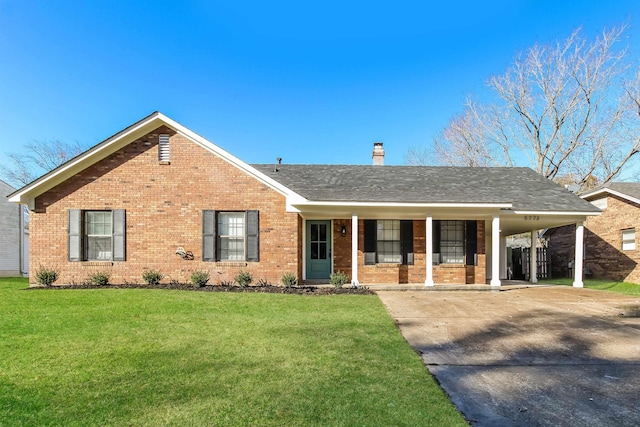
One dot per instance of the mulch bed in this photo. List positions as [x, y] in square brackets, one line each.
[270, 289]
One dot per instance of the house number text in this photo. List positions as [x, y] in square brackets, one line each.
[532, 217]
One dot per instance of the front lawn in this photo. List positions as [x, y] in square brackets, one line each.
[603, 285]
[161, 357]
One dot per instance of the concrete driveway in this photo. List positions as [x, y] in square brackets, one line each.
[535, 356]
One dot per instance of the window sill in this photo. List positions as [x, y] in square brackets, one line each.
[96, 263]
[164, 162]
[387, 265]
[231, 264]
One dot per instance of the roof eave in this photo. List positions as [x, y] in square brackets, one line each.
[305, 202]
[28, 193]
[604, 191]
[561, 213]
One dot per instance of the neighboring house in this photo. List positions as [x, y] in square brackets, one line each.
[610, 249]
[158, 196]
[14, 238]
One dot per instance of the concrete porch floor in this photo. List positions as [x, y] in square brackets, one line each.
[507, 285]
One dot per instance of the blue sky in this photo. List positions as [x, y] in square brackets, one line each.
[311, 82]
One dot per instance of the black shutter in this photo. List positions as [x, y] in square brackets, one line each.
[75, 235]
[406, 241]
[253, 236]
[370, 234]
[119, 235]
[471, 241]
[209, 235]
[435, 228]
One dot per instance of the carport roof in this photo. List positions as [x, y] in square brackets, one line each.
[523, 188]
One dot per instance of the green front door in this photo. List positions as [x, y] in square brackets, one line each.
[318, 249]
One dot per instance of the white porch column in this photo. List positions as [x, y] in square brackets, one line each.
[533, 258]
[354, 250]
[429, 257]
[577, 262]
[495, 251]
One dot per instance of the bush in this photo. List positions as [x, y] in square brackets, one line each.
[152, 277]
[338, 279]
[289, 280]
[243, 278]
[46, 276]
[199, 278]
[100, 278]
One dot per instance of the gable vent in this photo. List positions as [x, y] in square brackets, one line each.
[163, 147]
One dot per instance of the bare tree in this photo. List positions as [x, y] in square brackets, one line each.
[567, 110]
[474, 138]
[39, 158]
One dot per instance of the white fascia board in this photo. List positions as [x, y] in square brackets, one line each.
[82, 161]
[305, 202]
[605, 191]
[27, 194]
[560, 213]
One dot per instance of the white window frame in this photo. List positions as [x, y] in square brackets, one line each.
[452, 246]
[388, 241]
[88, 236]
[235, 232]
[628, 239]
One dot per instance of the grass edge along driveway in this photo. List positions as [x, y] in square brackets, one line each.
[153, 357]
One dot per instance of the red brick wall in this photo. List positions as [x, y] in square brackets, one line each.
[604, 257]
[164, 205]
[395, 273]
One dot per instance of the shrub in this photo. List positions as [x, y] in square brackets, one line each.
[46, 275]
[199, 278]
[243, 278]
[100, 278]
[338, 279]
[152, 277]
[289, 280]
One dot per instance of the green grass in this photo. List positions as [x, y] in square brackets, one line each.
[602, 285]
[148, 357]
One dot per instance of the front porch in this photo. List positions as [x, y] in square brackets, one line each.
[464, 252]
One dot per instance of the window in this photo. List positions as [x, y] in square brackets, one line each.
[163, 147]
[230, 236]
[96, 235]
[452, 242]
[388, 241]
[629, 239]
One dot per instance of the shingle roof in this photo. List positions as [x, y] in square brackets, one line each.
[631, 189]
[524, 188]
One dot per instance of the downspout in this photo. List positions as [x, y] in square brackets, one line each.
[21, 240]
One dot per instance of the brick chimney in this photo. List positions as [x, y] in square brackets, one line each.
[378, 154]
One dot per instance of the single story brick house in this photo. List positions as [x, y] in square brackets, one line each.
[156, 195]
[610, 249]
